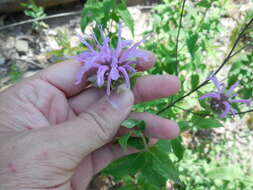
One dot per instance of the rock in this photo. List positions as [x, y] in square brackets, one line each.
[21, 46]
[2, 60]
[9, 44]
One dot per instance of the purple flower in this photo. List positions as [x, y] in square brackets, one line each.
[221, 99]
[110, 64]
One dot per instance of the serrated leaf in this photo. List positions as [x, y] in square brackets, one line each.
[123, 140]
[137, 143]
[208, 123]
[126, 16]
[226, 173]
[164, 166]
[163, 145]
[128, 165]
[130, 123]
[178, 148]
[194, 81]
[192, 44]
[151, 177]
[183, 125]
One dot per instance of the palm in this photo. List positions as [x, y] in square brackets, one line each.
[35, 108]
[49, 106]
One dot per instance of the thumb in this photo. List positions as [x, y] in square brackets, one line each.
[94, 127]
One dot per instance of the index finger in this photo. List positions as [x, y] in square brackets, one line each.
[63, 75]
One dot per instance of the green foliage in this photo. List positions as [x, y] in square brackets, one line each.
[62, 40]
[151, 168]
[196, 58]
[34, 11]
[104, 13]
[139, 141]
[15, 73]
[207, 123]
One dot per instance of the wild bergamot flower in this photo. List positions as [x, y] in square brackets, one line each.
[222, 99]
[110, 64]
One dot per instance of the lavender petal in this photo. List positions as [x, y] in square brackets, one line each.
[129, 68]
[216, 83]
[125, 74]
[100, 75]
[241, 101]
[210, 95]
[140, 54]
[227, 109]
[128, 52]
[232, 87]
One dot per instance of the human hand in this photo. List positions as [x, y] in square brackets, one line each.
[56, 135]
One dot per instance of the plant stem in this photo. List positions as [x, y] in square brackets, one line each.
[178, 32]
[218, 69]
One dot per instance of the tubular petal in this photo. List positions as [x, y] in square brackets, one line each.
[227, 109]
[216, 83]
[210, 95]
[241, 101]
[123, 71]
[100, 75]
[232, 87]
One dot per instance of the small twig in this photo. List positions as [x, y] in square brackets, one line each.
[204, 115]
[178, 32]
[238, 51]
[38, 19]
[203, 18]
[243, 112]
[219, 68]
[194, 113]
[144, 142]
[234, 46]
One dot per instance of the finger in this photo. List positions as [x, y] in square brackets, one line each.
[155, 86]
[94, 127]
[63, 75]
[98, 160]
[146, 88]
[156, 127]
[146, 64]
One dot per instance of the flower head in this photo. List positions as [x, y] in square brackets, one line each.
[221, 99]
[110, 64]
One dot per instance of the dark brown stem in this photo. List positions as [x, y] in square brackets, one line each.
[218, 69]
[178, 32]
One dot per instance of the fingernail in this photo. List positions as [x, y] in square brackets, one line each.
[122, 98]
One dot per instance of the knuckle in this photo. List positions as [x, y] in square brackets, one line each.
[102, 127]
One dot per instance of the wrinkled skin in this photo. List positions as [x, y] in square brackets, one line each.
[56, 135]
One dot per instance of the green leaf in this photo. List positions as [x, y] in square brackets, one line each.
[123, 140]
[226, 173]
[164, 166]
[151, 177]
[194, 81]
[178, 148]
[131, 123]
[192, 44]
[184, 125]
[126, 16]
[136, 142]
[163, 145]
[209, 123]
[128, 165]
